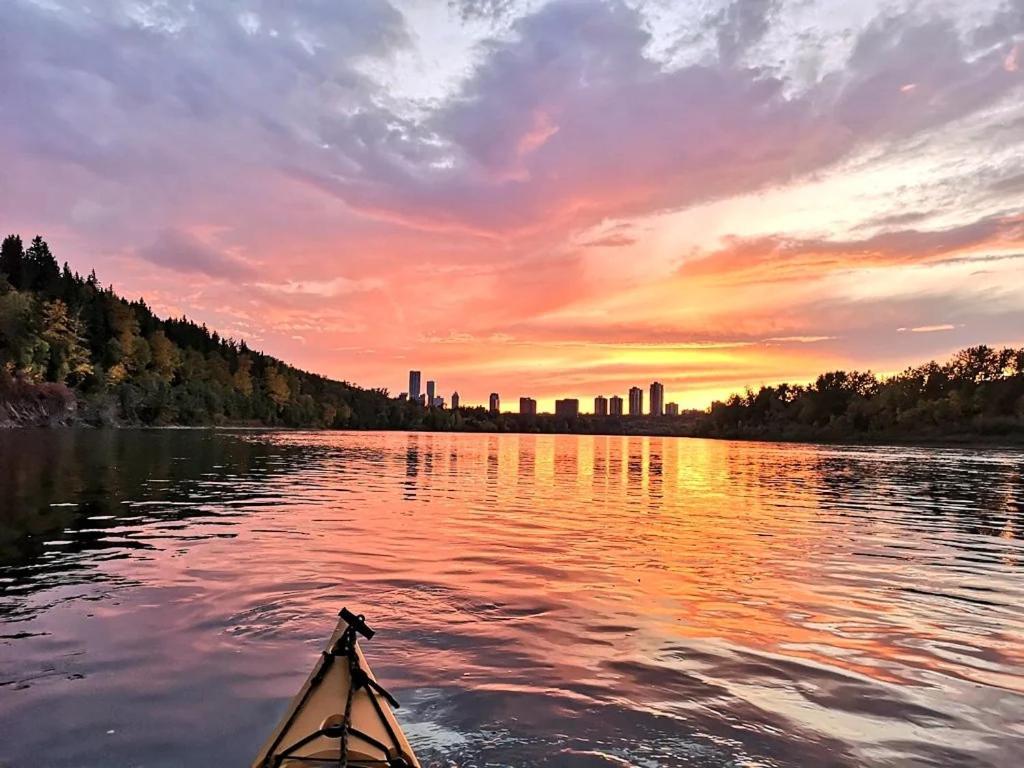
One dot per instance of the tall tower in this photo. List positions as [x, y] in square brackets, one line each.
[636, 401]
[495, 403]
[615, 406]
[600, 405]
[430, 392]
[414, 385]
[455, 401]
[657, 398]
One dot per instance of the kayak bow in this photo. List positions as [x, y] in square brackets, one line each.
[341, 715]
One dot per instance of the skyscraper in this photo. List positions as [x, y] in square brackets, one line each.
[615, 406]
[455, 401]
[527, 406]
[636, 401]
[671, 409]
[495, 403]
[657, 398]
[430, 392]
[600, 405]
[569, 408]
[414, 385]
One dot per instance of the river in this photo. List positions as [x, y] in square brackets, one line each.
[539, 600]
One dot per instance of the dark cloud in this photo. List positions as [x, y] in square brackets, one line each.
[899, 219]
[741, 25]
[482, 9]
[563, 121]
[181, 252]
[568, 120]
[778, 257]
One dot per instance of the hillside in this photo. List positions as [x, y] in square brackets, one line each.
[73, 351]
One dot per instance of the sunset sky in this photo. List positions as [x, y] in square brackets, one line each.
[539, 198]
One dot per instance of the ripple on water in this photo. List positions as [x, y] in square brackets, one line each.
[540, 600]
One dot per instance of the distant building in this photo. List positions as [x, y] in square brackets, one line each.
[437, 402]
[455, 401]
[569, 408]
[600, 405]
[671, 409]
[636, 401]
[422, 400]
[527, 406]
[657, 398]
[615, 406]
[495, 403]
[414, 385]
[431, 387]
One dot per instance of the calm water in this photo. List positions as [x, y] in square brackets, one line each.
[555, 601]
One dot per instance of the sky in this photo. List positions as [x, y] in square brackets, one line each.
[561, 198]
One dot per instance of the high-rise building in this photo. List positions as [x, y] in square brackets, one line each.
[657, 398]
[615, 406]
[527, 406]
[671, 409]
[414, 385]
[636, 401]
[495, 403]
[431, 387]
[600, 405]
[569, 408]
[455, 401]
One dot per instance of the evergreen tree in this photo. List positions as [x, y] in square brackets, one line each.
[40, 269]
[12, 257]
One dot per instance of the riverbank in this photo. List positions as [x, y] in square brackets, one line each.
[51, 411]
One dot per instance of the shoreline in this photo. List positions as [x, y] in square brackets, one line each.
[950, 441]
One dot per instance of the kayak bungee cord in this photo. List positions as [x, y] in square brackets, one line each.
[339, 725]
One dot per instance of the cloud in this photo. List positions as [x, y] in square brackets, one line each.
[929, 328]
[780, 257]
[337, 286]
[611, 240]
[181, 252]
[740, 25]
[263, 146]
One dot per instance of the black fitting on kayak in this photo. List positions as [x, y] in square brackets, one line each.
[361, 679]
[356, 622]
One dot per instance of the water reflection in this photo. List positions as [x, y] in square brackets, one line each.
[543, 600]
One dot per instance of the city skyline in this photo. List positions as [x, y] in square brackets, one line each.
[568, 406]
[852, 202]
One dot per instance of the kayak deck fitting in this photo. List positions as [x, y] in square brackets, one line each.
[341, 716]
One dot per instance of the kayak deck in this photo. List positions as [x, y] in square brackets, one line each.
[315, 729]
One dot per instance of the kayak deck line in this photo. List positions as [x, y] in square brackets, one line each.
[341, 716]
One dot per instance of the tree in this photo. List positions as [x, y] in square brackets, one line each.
[21, 348]
[277, 386]
[164, 356]
[241, 379]
[62, 332]
[40, 269]
[12, 256]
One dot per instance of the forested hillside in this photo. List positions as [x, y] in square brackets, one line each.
[73, 350]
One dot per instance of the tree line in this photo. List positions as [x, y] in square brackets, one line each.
[979, 392]
[67, 340]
